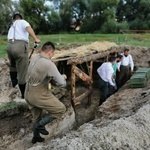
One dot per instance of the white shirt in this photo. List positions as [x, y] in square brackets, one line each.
[18, 31]
[126, 61]
[106, 71]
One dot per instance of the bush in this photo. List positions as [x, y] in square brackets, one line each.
[138, 24]
[90, 25]
[110, 26]
[123, 26]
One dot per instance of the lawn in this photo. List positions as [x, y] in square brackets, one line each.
[65, 39]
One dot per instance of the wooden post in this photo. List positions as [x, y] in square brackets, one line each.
[90, 85]
[73, 82]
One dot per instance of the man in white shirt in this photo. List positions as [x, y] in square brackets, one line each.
[125, 67]
[105, 72]
[17, 50]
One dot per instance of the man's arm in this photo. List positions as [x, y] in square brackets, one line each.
[31, 32]
[57, 77]
[131, 63]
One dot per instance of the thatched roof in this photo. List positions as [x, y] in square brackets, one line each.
[82, 51]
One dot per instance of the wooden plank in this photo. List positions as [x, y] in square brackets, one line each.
[82, 97]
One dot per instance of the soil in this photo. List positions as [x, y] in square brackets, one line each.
[16, 119]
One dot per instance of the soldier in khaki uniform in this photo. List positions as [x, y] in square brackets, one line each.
[37, 94]
[17, 50]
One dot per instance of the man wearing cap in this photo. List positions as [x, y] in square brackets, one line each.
[17, 50]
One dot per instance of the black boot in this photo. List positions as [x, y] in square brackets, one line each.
[40, 126]
[14, 80]
[22, 89]
[40, 129]
[37, 137]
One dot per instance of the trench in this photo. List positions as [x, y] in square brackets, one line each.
[16, 119]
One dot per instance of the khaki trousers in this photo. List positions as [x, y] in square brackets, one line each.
[40, 98]
[18, 56]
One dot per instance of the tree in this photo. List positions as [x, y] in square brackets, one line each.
[54, 22]
[5, 15]
[99, 12]
[36, 12]
[135, 12]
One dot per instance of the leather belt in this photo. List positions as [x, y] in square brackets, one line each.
[13, 40]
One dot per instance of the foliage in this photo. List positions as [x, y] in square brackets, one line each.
[135, 12]
[35, 12]
[110, 26]
[92, 16]
[5, 15]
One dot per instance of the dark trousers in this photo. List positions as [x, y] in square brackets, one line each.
[123, 76]
[104, 89]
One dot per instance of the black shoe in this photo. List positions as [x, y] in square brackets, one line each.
[42, 130]
[37, 139]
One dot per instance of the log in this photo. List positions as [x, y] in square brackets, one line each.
[90, 86]
[73, 78]
[82, 75]
[92, 57]
[82, 97]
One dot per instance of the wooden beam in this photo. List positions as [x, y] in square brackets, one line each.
[92, 57]
[90, 85]
[73, 82]
[82, 75]
[82, 97]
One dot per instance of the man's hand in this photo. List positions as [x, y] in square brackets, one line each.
[132, 71]
[37, 40]
[113, 85]
[65, 77]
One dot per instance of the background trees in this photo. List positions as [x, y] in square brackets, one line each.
[90, 16]
[5, 15]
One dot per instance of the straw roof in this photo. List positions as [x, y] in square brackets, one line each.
[84, 50]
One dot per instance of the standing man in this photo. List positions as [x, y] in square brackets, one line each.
[41, 70]
[17, 50]
[115, 67]
[105, 72]
[125, 67]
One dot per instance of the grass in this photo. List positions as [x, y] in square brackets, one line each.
[8, 105]
[65, 39]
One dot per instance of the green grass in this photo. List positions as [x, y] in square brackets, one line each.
[65, 39]
[8, 105]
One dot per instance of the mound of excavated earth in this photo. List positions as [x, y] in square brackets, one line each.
[122, 122]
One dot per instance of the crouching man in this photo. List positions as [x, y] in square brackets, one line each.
[37, 94]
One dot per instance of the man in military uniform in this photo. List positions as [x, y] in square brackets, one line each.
[41, 70]
[17, 50]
